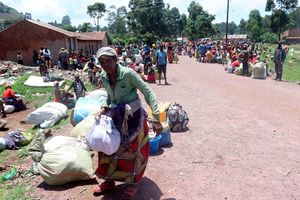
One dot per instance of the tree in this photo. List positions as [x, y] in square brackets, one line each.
[221, 28]
[66, 20]
[254, 25]
[182, 23]
[147, 16]
[277, 19]
[280, 10]
[199, 23]
[27, 15]
[69, 28]
[295, 18]
[242, 27]
[96, 11]
[117, 23]
[111, 13]
[266, 23]
[85, 27]
[173, 21]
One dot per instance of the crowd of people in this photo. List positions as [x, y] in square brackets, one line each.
[233, 55]
[114, 67]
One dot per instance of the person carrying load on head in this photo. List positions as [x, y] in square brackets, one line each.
[129, 162]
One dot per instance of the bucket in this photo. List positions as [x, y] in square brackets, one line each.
[165, 139]
[154, 145]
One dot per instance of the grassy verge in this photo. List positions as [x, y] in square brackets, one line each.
[3, 156]
[17, 192]
[291, 67]
[35, 96]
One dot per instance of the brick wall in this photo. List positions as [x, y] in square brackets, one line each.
[27, 37]
[90, 46]
[294, 32]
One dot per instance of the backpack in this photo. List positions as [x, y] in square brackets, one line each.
[177, 118]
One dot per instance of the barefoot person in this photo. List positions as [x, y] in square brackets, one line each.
[128, 164]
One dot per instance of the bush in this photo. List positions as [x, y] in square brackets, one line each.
[269, 38]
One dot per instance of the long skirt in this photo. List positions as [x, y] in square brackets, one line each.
[128, 164]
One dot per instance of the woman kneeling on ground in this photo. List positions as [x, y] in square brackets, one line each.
[128, 164]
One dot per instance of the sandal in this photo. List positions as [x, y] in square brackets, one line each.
[105, 186]
[130, 192]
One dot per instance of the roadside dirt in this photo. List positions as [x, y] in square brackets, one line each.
[243, 141]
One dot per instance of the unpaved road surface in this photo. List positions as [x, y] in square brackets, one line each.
[243, 141]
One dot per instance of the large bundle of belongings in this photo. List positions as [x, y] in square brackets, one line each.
[62, 159]
[15, 139]
[48, 114]
[84, 114]
[259, 71]
[89, 104]
[177, 118]
[173, 118]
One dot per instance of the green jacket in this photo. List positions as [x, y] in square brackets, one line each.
[128, 81]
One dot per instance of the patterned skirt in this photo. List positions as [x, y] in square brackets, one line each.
[129, 163]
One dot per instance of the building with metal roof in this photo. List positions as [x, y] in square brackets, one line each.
[28, 35]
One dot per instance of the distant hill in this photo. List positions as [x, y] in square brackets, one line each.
[8, 13]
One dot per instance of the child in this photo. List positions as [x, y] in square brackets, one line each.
[176, 59]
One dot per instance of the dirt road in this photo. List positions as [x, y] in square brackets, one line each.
[242, 142]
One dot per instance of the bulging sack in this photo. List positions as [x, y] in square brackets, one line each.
[104, 136]
[177, 118]
[65, 164]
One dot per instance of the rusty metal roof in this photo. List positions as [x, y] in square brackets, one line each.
[99, 36]
[236, 37]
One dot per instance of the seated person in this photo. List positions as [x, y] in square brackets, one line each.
[63, 96]
[10, 98]
[78, 86]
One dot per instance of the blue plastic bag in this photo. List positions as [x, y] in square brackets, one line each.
[86, 106]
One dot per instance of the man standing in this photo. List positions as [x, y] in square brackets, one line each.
[244, 57]
[279, 58]
[63, 58]
[161, 57]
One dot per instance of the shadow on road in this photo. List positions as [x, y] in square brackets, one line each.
[67, 186]
[159, 153]
[148, 189]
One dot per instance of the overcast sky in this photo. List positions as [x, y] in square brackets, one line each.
[52, 10]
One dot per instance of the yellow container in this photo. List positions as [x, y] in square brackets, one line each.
[162, 111]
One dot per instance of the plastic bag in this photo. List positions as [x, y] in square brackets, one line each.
[9, 109]
[104, 136]
[87, 105]
[83, 127]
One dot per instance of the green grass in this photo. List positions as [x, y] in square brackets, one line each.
[30, 93]
[45, 94]
[3, 155]
[16, 192]
[290, 73]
